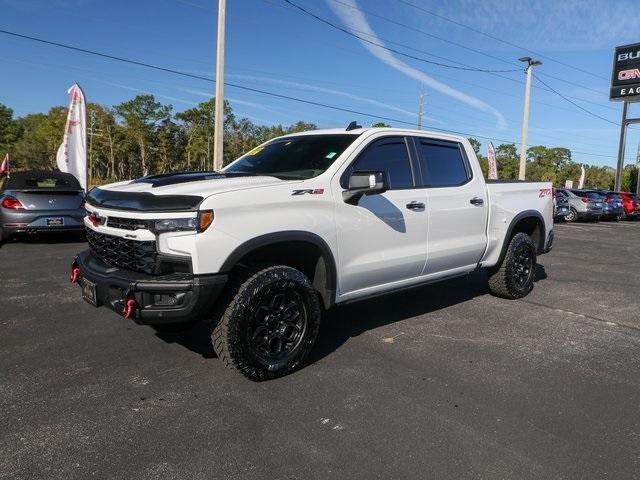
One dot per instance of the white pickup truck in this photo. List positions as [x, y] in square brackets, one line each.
[300, 224]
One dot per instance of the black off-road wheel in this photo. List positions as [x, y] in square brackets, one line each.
[514, 277]
[270, 324]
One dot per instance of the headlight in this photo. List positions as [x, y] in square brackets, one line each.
[193, 224]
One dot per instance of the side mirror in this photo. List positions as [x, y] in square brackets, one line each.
[365, 183]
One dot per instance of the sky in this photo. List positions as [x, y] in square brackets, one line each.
[405, 47]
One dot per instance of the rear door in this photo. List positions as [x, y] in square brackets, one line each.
[457, 203]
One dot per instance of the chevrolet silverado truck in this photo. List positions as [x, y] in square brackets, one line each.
[300, 224]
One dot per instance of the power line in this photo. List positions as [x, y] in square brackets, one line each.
[422, 32]
[261, 91]
[409, 27]
[574, 103]
[467, 67]
[420, 59]
[493, 37]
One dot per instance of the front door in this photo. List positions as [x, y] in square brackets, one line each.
[383, 238]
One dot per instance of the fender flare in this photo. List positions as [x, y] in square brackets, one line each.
[328, 290]
[514, 221]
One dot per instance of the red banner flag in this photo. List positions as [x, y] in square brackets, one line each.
[4, 166]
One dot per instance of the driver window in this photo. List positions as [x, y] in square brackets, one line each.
[389, 155]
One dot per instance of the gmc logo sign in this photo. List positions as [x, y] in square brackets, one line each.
[629, 74]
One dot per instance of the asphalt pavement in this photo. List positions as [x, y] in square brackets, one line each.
[441, 382]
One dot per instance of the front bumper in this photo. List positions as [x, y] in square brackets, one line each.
[158, 299]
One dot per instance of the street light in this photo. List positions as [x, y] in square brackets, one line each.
[525, 115]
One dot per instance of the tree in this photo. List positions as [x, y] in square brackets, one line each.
[507, 161]
[629, 178]
[40, 137]
[301, 127]
[140, 117]
[475, 143]
[380, 125]
[8, 129]
[199, 123]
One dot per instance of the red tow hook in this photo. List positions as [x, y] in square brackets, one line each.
[75, 274]
[129, 308]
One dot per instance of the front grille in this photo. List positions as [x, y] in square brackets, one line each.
[122, 252]
[127, 223]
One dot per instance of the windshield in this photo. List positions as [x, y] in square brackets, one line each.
[293, 158]
[43, 180]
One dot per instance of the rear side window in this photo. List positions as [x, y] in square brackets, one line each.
[389, 155]
[441, 163]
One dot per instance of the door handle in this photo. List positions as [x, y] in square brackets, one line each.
[477, 201]
[415, 206]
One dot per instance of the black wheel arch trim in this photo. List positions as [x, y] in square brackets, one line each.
[327, 292]
[517, 219]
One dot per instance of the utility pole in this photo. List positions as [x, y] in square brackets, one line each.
[621, 147]
[525, 116]
[218, 143]
[421, 98]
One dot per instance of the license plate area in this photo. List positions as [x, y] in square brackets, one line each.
[55, 222]
[89, 292]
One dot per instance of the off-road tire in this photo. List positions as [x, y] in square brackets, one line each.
[572, 216]
[503, 280]
[234, 335]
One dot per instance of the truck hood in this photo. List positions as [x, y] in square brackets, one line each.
[174, 192]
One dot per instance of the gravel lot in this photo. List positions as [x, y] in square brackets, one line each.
[440, 382]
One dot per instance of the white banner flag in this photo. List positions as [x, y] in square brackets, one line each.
[493, 167]
[72, 154]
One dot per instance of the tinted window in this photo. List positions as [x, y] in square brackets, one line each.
[389, 155]
[442, 163]
[298, 157]
[41, 179]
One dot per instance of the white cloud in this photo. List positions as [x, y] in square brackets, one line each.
[330, 91]
[354, 19]
[541, 24]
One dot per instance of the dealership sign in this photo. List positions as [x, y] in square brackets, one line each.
[625, 80]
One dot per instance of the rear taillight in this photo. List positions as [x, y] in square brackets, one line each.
[11, 202]
[585, 199]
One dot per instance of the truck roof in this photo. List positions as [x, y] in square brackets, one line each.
[360, 131]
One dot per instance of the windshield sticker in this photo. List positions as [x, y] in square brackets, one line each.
[255, 151]
[330, 155]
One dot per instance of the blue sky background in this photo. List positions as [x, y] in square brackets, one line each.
[272, 46]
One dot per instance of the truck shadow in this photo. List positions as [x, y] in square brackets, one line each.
[352, 320]
[357, 318]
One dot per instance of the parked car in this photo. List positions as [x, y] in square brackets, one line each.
[302, 223]
[612, 208]
[581, 207]
[38, 201]
[560, 206]
[631, 205]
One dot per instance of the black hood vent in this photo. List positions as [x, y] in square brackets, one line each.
[185, 177]
[141, 201]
